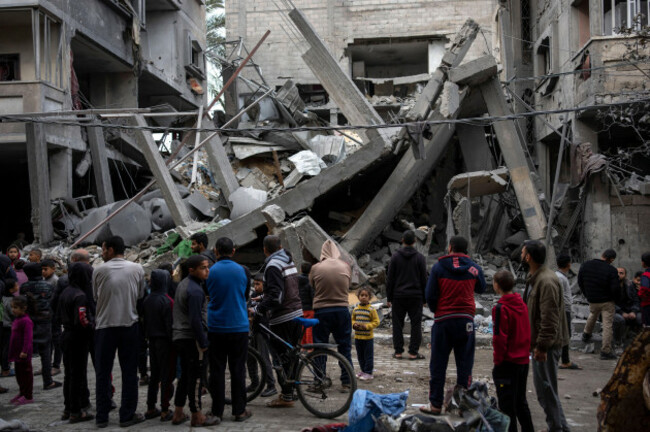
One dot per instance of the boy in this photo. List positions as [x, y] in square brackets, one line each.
[48, 272]
[77, 321]
[306, 292]
[364, 321]
[644, 290]
[35, 256]
[260, 342]
[48, 266]
[563, 262]
[511, 343]
[191, 340]
[157, 308]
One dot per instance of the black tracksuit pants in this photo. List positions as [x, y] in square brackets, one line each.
[75, 347]
[162, 360]
[230, 349]
[188, 387]
[413, 307]
[510, 381]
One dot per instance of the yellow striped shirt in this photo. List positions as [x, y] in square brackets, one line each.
[367, 316]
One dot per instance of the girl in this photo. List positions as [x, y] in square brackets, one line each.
[20, 351]
[364, 321]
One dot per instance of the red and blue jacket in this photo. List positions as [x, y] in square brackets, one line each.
[644, 290]
[452, 283]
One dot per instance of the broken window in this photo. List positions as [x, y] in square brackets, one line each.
[526, 34]
[195, 59]
[619, 14]
[10, 67]
[581, 21]
[544, 59]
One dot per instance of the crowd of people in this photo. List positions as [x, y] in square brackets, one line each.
[197, 317]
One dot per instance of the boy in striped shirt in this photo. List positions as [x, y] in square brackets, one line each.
[364, 320]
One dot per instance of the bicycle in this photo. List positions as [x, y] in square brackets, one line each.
[310, 373]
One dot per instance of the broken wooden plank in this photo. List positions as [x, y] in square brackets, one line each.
[160, 171]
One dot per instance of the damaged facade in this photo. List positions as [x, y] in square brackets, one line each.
[63, 55]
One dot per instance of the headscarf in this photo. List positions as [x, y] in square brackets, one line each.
[160, 281]
[33, 271]
[80, 275]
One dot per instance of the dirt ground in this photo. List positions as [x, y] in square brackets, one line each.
[576, 390]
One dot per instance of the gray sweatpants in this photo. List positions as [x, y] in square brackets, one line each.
[545, 380]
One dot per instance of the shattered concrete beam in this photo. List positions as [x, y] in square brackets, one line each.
[405, 179]
[220, 167]
[39, 182]
[102, 174]
[465, 74]
[161, 173]
[515, 159]
[242, 229]
[354, 105]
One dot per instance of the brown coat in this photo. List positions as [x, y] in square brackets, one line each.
[330, 278]
[548, 324]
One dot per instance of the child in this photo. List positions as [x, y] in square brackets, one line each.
[21, 277]
[8, 294]
[157, 308]
[306, 292]
[35, 256]
[260, 342]
[644, 290]
[74, 312]
[20, 351]
[511, 343]
[364, 321]
[48, 267]
[14, 254]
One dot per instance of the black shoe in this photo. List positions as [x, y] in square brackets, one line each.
[252, 386]
[137, 418]
[607, 356]
[53, 385]
[270, 391]
[586, 337]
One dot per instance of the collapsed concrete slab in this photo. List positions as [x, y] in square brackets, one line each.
[133, 224]
[479, 183]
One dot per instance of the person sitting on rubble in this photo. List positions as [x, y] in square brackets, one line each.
[598, 282]
[200, 246]
[450, 296]
[628, 308]
[511, 343]
[644, 290]
[563, 262]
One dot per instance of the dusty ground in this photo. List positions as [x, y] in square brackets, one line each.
[576, 388]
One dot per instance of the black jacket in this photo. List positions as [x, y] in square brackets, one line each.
[158, 307]
[306, 292]
[407, 274]
[598, 281]
[628, 299]
[74, 311]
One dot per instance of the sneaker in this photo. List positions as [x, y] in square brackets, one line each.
[279, 403]
[270, 391]
[586, 337]
[23, 401]
[607, 356]
[367, 377]
[358, 374]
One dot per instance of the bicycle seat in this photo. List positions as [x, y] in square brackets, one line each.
[307, 322]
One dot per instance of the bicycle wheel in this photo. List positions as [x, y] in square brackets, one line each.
[319, 383]
[255, 376]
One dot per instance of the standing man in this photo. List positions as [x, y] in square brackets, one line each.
[406, 280]
[228, 284]
[117, 286]
[563, 262]
[281, 302]
[598, 281]
[331, 281]
[450, 295]
[549, 331]
[628, 307]
[200, 247]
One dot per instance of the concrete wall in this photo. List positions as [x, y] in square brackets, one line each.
[631, 231]
[340, 22]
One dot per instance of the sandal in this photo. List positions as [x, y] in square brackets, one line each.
[397, 356]
[418, 356]
[430, 410]
[243, 417]
[181, 421]
[571, 366]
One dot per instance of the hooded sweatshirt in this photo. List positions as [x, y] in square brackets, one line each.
[511, 337]
[330, 278]
[452, 283]
[158, 306]
[407, 274]
[281, 299]
[74, 305]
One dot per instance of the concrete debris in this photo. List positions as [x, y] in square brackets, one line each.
[479, 183]
[201, 204]
[307, 163]
[245, 200]
[133, 224]
[274, 215]
[329, 148]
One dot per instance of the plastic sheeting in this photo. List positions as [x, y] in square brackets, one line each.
[307, 162]
[367, 406]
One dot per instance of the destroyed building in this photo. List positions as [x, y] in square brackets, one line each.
[64, 55]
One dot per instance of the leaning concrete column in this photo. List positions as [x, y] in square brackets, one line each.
[101, 171]
[39, 182]
[161, 173]
[220, 167]
[61, 173]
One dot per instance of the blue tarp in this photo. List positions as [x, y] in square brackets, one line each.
[366, 405]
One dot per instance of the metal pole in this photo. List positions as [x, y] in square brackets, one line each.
[549, 226]
[152, 182]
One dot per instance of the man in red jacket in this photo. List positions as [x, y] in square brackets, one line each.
[511, 343]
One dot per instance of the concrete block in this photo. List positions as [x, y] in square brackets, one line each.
[161, 218]
[450, 99]
[274, 215]
[474, 72]
[479, 183]
[133, 224]
[244, 200]
[201, 204]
